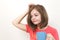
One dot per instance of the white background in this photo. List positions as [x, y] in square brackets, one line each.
[10, 9]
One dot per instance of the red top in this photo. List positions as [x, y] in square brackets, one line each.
[47, 30]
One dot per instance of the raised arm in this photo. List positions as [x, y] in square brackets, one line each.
[18, 24]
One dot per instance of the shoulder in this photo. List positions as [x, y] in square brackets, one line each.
[51, 28]
[54, 32]
[28, 28]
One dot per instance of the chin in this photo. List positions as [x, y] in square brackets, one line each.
[36, 23]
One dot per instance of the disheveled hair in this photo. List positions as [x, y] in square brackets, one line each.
[44, 16]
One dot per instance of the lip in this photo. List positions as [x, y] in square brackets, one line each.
[34, 21]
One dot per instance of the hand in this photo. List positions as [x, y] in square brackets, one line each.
[49, 37]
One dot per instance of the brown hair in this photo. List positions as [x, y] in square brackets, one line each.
[44, 16]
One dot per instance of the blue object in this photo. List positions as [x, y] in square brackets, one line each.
[41, 35]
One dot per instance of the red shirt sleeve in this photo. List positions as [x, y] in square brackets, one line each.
[28, 29]
[55, 34]
[53, 31]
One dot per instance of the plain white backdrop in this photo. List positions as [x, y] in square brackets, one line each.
[10, 9]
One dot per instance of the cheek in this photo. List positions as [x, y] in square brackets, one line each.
[39, 19]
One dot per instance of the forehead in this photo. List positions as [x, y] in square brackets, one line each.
[34, 11]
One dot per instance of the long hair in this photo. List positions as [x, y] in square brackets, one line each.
[44, 16]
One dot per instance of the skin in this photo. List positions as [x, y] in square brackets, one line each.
[49, 37]
[35, 17]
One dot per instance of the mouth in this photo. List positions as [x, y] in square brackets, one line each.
[34, 21]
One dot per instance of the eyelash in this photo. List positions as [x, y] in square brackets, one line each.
[35, 15]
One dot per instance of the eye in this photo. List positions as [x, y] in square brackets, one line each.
[36, 15]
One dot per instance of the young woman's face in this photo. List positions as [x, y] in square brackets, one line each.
[35, 17]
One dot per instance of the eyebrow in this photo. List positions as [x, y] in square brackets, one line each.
[34, 14]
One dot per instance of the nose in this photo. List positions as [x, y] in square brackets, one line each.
[33, 18]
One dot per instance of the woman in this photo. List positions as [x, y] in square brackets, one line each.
[37, 20]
